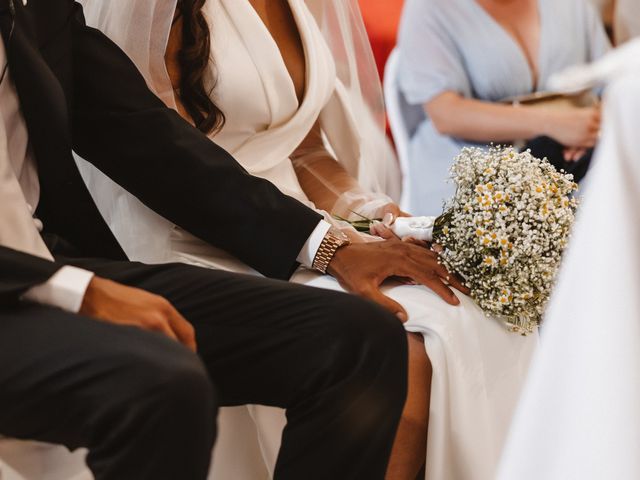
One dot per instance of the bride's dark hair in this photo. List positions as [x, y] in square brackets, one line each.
[194, 60]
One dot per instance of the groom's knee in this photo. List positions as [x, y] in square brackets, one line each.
[163, 387]
[366, 340]
[154, 394]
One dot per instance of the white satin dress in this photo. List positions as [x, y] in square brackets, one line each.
[478, 367]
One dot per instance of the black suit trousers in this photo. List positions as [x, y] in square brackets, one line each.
[145, 406]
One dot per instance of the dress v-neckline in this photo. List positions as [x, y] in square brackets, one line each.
[535, 71]
[278, 52]
[289, 121]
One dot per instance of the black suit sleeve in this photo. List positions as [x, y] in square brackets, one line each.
[19, 272]
[129, 134]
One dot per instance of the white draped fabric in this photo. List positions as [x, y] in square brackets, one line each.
[579, 417]
[478, 365]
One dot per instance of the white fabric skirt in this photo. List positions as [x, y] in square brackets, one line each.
[478, 372]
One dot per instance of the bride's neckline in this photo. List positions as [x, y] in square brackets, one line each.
[299, 85]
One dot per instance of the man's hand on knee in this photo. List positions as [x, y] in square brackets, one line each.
[362, 267]
[122, 305]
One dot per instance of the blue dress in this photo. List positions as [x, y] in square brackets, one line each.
[456, 45]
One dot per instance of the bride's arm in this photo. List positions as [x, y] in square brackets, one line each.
[326, 182]
[322, 178]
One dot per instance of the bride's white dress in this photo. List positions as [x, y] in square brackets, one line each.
[478, 367]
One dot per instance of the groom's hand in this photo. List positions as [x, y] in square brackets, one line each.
[362, 267]
[122, 305]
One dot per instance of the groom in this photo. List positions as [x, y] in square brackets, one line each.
[90, 344]
[337, 364]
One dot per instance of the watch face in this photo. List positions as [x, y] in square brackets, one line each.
[339, 235]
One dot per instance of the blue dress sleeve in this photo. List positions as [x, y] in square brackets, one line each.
[430, 62]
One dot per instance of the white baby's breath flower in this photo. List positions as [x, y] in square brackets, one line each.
[505, 230]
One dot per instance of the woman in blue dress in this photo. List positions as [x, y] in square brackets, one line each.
[460, 58]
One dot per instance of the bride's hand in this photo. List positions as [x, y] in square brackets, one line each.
[382, 229]
[394, 210]
[388, 213]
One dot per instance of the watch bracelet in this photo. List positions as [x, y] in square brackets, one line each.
[328, 247]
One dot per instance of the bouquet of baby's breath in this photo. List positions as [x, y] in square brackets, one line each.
[505, 229]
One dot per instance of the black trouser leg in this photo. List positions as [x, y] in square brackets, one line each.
[142, 404]
[335, 362]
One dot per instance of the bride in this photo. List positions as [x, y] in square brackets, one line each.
[287, 87]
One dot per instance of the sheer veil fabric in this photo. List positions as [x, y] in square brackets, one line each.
[141, 28]
[359, 90]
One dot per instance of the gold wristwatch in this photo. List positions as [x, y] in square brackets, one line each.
[332, 241]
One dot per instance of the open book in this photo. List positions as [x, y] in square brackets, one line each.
[585, 98]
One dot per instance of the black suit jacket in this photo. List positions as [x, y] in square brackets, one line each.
[79, 91]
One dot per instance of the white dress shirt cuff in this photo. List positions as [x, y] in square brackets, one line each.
[65, 289]
[310, 248]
